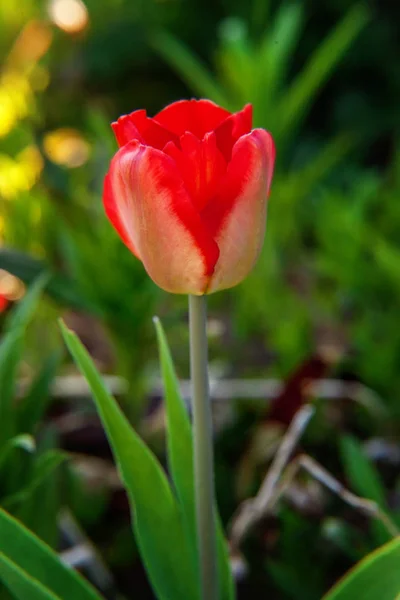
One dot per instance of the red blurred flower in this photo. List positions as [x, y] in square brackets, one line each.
[187, 193]
[3, 303]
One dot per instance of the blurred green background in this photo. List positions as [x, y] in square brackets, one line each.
[323, 300]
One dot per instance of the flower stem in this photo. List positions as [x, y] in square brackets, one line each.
[203, 449]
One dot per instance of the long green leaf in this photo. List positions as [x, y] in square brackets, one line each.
[360, 472]
[180, 455]
[328, 157]
[30, 554]
[40, 512]
[36, 401]
[294, 103]
[189, 67]
[158, 521]
[364, 479]
[21, 441]
[43, 467]
[179, 433]
[10, 351]
[21, 315]
[272, 58]
[21, 584]
[376, 576]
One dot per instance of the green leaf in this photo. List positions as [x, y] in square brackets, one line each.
[296, 100]
[364, 479]
[43, 467]
[30, 554]
[46, 484]
[20, 584]
[21, 315]
[376, 576]
[34, 405]
[22, 441]
[10, 352]
[361, 473]
[158, 520]
[180, 455]
[332, 153]
[272, 59]
[191, 70]
[179, 433]
[40, 513]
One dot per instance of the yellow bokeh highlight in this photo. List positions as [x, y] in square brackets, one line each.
[21, 74]
[15, 100]
[21, 173]
[66, 147]
[69, 15]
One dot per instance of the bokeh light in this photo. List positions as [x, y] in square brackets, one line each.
[15, 98]
[66, 147]
[11, 287]
[69, 15]
[21, 173]
[32, 43]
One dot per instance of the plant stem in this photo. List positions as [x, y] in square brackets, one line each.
[203, 449]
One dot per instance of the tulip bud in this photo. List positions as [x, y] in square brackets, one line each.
[187, 192]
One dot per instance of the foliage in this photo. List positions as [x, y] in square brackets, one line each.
[365, 581]
[27, 468]
[156, 509]
[323, 76]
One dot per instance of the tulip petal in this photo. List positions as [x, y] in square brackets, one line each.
[236, 218]
[151, 205]
[197, 116]
[200, 164]
[228, 132]
[138, 126]
[111, 208]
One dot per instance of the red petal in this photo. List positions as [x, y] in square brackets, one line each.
[201, 165]
[126, 131]
[197, 116]
[236, 218]
[111, 207]
[138, 126]
[158, 216]
[232, 129]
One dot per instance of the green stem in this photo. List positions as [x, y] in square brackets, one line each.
[203, 449]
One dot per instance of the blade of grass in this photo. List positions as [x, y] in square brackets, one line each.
[376, 576]
[34, 405]
[10, 352]
[43, 467]
[158, 522]
[189, 67]
[297, 99]
[30, 554]
[365, 480]
[21, 584]
[272, 59]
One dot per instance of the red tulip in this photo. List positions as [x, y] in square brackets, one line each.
[187, 192]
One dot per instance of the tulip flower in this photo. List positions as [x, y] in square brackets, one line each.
[187, 193]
